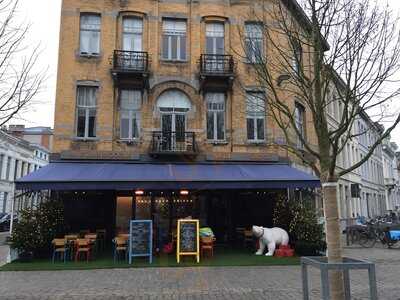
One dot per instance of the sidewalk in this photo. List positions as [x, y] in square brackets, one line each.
[225, 283]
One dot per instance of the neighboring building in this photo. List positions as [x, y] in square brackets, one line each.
[152, 121]
[17, 159]
[39, 135]
[391, 176]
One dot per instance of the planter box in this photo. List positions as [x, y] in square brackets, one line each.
[348, 264]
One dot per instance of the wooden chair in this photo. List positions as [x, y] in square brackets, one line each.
[70, 244]
[60, 249]
[82, 246]
[83, 232]
[92, 239]
[207, 244]
[101, 238]
[120, 245]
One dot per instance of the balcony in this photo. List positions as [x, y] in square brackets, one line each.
[216, 72]
[173, 143]
[131, 68]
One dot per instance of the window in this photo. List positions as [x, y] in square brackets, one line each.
[16, 169]
[297, 57]
[1, 165]
[299, 122]
[8, 168]
[130, 114]
[215, 116]
[5, 199]
[90, 34]
[215, 33]
[174, 40]
[86, 111]
[255, 116]
[132, 34]
[254, 42]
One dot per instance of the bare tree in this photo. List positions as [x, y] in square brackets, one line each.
[322, 52]
[20, 82]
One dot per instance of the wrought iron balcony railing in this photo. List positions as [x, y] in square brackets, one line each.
[131, 61]
[173, 142]
[216, 64]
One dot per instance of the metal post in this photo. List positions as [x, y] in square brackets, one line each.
[305, 281]
[346, 281]
[372, 283]
[325, 283]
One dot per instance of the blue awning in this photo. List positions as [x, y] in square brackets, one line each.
[129, 176]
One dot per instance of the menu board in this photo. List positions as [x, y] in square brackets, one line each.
[188, 239]
[141, 239]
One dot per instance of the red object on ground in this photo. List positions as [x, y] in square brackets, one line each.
[284, 251]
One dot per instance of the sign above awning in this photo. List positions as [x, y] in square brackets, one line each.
[161, 176]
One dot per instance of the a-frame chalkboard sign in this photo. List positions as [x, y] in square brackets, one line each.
[188, 240]
[141, 239]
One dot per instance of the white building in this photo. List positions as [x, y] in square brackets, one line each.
[17, 158]
[372, 194]
[390, 173]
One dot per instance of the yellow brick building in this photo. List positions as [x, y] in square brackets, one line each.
[159, 116]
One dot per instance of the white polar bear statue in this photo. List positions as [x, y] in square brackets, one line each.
[270, 237]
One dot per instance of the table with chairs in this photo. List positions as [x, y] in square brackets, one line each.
[76, 246]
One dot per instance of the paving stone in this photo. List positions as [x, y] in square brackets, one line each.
[227, 283]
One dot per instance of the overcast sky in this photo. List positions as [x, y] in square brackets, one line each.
[44, 16]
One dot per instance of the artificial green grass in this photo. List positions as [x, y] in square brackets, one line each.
[222, 258]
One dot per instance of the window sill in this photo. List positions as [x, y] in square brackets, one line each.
[256, 143]
[172, 61]
[129, 141]
[84, 56]
[88, 139]
[218, 143]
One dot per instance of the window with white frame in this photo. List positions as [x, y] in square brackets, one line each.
[215, 116]
[174, 39]
[132, 31]
[86, 111]
[90, 34]
[254, 42]
[215, 33]
[131, 101]
[299, 122]
[255, 114]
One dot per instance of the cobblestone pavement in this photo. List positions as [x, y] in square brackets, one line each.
[227, 283]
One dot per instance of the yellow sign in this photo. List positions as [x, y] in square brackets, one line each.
[188, 239]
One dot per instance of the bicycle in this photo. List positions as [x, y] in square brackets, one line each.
[373, 233]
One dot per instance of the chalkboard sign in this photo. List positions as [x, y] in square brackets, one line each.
[188, 239]
[141, 239]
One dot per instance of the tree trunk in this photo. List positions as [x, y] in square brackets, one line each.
[333, 238]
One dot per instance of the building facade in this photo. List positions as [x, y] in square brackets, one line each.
[131, 70]
[18, 158]
[391, 176]
[159, 116]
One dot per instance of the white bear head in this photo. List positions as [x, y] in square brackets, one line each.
[257, 230]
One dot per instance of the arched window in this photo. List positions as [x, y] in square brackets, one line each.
[173, 101]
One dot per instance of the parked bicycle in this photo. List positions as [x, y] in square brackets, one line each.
[374, 232]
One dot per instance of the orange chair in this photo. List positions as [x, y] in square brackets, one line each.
[92, 239]
[59, 247]
[82, 246]
[207, 244]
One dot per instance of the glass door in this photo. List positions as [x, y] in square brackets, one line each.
[132, 42]
[215, 45]
[173, 127]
